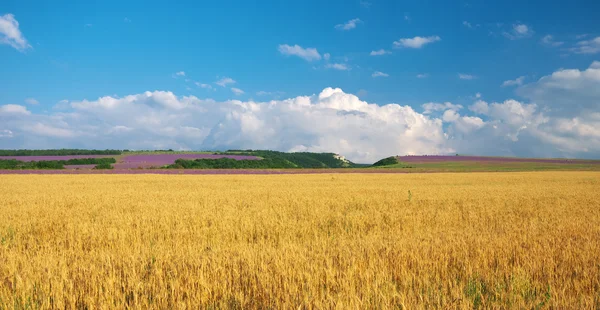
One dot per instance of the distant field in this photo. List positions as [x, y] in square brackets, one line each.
[270, 162]
[374, 241]
[490, 164]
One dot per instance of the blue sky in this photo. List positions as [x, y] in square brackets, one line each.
[80, 50]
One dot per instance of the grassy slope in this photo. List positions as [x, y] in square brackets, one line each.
[489, 166]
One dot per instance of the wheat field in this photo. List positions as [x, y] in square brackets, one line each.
[326, 241]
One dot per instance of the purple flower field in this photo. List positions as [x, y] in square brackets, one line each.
[440, 158]
[158, 160]
[48, 158]
[74, 167]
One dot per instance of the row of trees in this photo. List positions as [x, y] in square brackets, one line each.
[299, 159]
[59, 152]
[229, 163]
[13, 164]
[270, 160]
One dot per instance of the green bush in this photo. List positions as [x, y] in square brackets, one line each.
[392, 160]
[103, 166]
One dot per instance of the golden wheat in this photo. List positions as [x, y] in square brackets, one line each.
[492, 240]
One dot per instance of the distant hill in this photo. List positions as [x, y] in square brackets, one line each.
[269, 159]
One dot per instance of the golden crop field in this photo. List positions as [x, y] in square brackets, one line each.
[343, 241]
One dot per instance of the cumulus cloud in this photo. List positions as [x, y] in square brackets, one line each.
[587, 46]
[337, 66]
[422, 75]
[13, 109]
[431, 107]
[558, 118]
[349, 25]
[416, 42]
[308, 54]
[567, 91]
[10, 33]
[379, 74]
[225, 81]
[331, 121]
[519, 31]
[379, 52]
[517, 81]
[50, 131]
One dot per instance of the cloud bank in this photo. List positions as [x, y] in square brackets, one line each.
[558, 118]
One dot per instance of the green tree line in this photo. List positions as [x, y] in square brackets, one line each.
[13, 164]
[58, 152]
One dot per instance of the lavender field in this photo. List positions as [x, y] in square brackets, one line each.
[51, 158]
[441, 158]
[159, 160]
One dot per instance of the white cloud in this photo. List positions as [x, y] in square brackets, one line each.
[10, 33]
[519, 31]
[416, 42]
[379, 52]
[567, 92]
[478, 95]
[337, 66]
[549, 40]
[450, 116]
[13, 109]
[180, 73]
[480, 107]
[464, 76]
[559, 118]
[326, 56]
[331, 121]
[205, 86]
[31, 101]
[422, 75]
[467, 24]
[515, 82]
[587, 47]
[379, 74]
[308, 54]
[431, 107]
[5, 133]
[269, 93]
[50, 131]
[351, 24]
[237, 91]
[225, 81]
